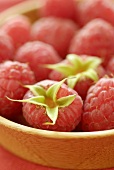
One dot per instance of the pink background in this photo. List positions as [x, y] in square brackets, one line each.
[9, 161]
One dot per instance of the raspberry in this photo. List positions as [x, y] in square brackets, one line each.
[110, 67]
[81, 71]
[85, 83]
[6, 47]
[65, 118]
[60, 8]
[54, 31]
[36, 54]
[18, 28]
[91, 9]
[13, 75]
[99, 106]
[95, 39]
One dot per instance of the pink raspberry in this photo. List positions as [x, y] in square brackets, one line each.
[99, 106]
[110, 67]
[18, 28]
[36, 54]
[81, 71]
[13, 75]
[96, 39]
[91, 9]
[66, 114]
[86, 83]
[60, 8]
[6, 47]
[57, 32]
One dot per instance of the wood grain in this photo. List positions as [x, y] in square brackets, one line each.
[68, 150]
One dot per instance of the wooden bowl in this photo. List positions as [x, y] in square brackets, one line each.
[28, 8]
[67, 150]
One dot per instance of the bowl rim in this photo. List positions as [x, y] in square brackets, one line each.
[54, 134]
[22, 8]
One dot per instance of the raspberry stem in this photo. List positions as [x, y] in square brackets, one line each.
[48, 99]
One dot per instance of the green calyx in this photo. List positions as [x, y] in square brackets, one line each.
[77, 68]
[48, 99]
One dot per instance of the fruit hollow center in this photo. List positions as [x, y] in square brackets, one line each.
[49, 102]
[80, 70]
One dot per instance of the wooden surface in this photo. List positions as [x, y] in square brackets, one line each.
[28, 8]
[58, 149]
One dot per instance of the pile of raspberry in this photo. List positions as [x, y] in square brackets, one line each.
[58, 72]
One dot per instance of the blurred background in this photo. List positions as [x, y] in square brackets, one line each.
[4, 4]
